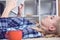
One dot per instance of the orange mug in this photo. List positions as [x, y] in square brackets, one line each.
[14, 35]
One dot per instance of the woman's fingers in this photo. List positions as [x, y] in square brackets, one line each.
[20, 9]
[19, 13]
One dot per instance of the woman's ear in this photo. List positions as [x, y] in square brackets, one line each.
[52, 28]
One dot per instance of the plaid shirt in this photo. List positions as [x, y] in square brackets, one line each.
[7, 24]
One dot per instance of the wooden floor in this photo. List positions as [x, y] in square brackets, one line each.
[39, 39]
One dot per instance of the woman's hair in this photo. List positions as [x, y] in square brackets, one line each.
[1, 8]
[58, 27]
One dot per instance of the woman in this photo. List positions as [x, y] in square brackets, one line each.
[47, 23]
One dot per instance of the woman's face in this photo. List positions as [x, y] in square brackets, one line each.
[49, 23]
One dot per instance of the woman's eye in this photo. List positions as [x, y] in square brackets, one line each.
[51, 17]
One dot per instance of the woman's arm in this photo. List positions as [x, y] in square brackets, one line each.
[6, 12]
[10, 4]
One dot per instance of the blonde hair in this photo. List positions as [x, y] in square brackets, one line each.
[58, 27]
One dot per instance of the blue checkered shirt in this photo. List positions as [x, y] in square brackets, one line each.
[7, 24]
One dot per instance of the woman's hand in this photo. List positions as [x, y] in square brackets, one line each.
[20, 9]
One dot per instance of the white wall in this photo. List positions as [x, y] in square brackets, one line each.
[48, 7]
